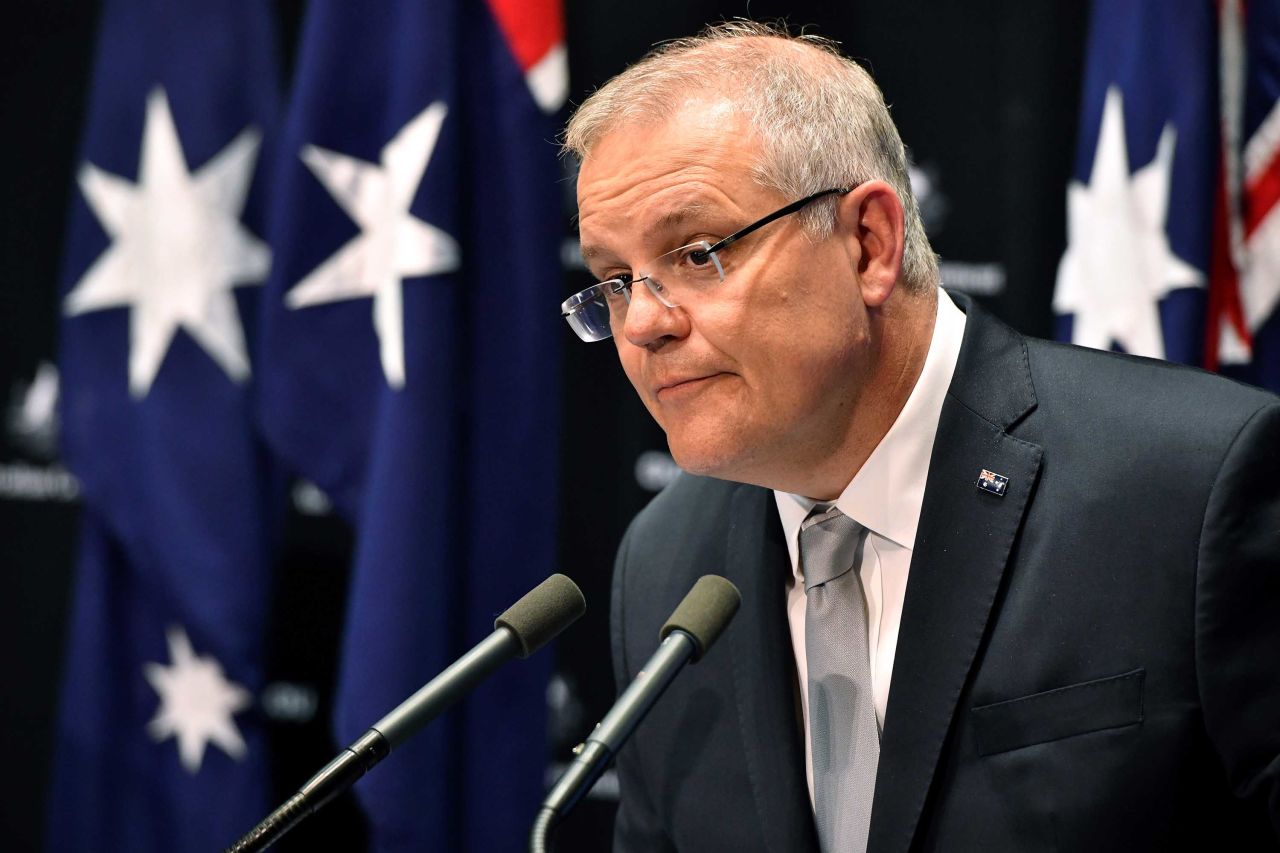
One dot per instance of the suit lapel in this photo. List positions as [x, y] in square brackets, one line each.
[962, 544]
[763, 667]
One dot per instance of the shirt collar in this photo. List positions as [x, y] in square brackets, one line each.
[887, 493]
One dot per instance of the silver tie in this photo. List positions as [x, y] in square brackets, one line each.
[843, 731]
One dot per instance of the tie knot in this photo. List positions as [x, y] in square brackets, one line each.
[830, 545]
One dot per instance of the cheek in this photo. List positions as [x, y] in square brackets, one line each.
[782, 345]
[807, 364]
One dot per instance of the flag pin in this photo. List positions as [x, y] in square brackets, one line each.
[989, 481]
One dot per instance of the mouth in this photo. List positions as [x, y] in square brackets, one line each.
[679, 388]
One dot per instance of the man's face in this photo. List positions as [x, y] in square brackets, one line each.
[762, 374]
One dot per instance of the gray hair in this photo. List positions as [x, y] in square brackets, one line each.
[821, 119]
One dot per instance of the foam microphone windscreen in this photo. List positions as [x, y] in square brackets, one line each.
[543, 612]
[704, 613]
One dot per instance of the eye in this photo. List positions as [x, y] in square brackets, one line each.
[696, 256]
[616, 288]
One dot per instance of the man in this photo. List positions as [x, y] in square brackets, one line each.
[998, 593]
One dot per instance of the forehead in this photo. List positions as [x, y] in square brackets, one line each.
[697, 164]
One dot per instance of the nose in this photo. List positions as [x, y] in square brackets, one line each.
[649, 322]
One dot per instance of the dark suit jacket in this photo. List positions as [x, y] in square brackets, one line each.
[1089, 662]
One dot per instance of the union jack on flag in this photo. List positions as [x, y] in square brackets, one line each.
[989, 481]
[1242, 335]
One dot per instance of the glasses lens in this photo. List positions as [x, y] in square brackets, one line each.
[588, 313]
[683, 273]
[686, 273]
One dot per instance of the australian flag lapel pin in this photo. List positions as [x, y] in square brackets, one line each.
[990, 481]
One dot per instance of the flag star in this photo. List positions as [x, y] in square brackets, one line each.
[1118, 262]
[196, 703]
[392, 245]
[177, 248]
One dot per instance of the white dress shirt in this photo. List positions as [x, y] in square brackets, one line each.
[884, 497]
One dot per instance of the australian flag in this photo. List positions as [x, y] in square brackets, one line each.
[1173, 232]
[412, 354]
[160, 740]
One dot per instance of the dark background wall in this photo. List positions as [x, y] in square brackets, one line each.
[985, 94]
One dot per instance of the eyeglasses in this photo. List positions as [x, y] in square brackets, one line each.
[679, 277]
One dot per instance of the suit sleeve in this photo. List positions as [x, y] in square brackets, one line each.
[1238, 613]
[636, 828]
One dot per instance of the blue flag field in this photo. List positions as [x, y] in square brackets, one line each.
[160, 744]
[410, 370]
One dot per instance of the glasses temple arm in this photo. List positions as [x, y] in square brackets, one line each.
[776, 215]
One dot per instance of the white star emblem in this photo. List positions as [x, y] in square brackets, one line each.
[177, 248]
[196, 703]
[1118, 262]
[392, 245]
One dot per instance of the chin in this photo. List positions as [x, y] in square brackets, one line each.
[716, 458]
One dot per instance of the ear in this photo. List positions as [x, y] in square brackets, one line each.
[871, 219]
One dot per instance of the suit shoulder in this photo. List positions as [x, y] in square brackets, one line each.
[1095, 382]
[689, 501]
[678, 537]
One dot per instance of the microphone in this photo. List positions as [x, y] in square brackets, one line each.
[690, 630]
[525, 627]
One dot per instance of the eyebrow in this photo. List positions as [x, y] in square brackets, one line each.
[665, 222]
[683, 214]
